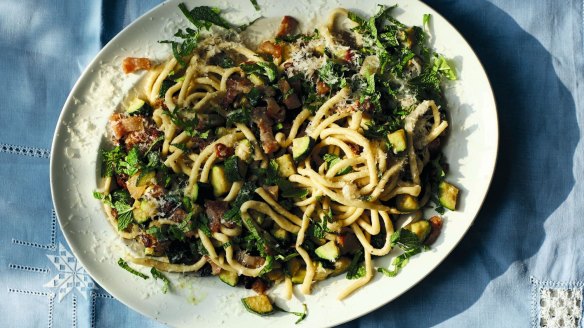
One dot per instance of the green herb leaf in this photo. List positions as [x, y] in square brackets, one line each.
[409, 243]
[246, 193]
[242, 115]
[356, 269]
[124, 265]
[267, 69]
[254, 96]
[110, 160]
[131, 163]
[426, 20]
[332, 160]
[125, 218]
[120, 201]
[445, 69]
[268, 266]
[204, 16]
[158, 275]
[180, 50]
[301, 315]
[318, 229]
[255, 4]
[387, 273]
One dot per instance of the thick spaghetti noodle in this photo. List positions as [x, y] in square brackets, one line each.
[292, 163]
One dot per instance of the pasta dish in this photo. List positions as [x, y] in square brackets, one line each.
[289, 162]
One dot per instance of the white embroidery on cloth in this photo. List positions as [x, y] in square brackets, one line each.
[70, 275]
[560, 307]
[25, 151]
[556, 304]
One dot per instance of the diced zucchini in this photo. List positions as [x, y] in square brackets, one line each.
[329, 251]
[298, 278]
[321, 273]
[146, 178]
[234, 169]
[194, 194]
[244, 150]
[280, 234]
[143, 210]
[259, 304]
[219, 181]
[397, 140]
[135, 105]
[420, 228]
[255, 79]
[406, 203]
[286, 165]
[229, 277]
[341, 265]
[301, 147]
[448, 195]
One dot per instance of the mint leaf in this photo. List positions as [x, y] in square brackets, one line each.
[158, 275]
[124, 265]
[110, 160]
[332, 160]
[204, 16]
[356, 269]
[268, 69]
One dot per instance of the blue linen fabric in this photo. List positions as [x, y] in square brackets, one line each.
[527, 237]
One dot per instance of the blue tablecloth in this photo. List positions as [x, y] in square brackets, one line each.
[521, 264]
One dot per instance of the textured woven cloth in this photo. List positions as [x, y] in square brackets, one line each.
[521, 263]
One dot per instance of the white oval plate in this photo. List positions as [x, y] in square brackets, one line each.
[471, 152]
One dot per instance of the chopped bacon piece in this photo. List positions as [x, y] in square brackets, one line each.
[143, 138]
[274, 110]
[322, 88]
[215, 210]
[121, 179]
[222, 151]
[259, 286]
[132, 64]
[354, 148]
[235, 87]
[270, 48]
[436, 224]
[250, 261]
[122, 125]
[290, 98]
[287, 26]
[147, 240]
[264, 123]
[215, 269]
[178, 215]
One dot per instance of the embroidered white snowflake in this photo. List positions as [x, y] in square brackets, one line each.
[71, 274]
